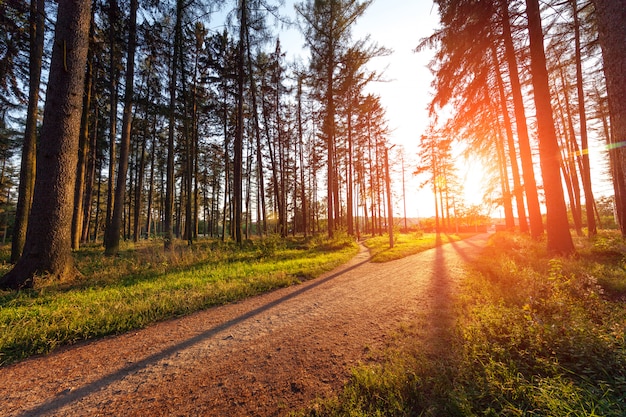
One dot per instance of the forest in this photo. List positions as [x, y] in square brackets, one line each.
[528, 85]
[146, 119]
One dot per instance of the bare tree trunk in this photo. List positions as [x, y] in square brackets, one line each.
[187, 180]
[168, 223]
[47, 249]
[113, 63]
[504, 182]
[239, 128]
[611, 15]
[518, 190]
[83, 150]
[112, 240]
[151, 180]
[91, 178]
[559, 237]
[582, 116]
[140, 186]
[530, 184]
[349, 184]
[569, 156]
[329, 128]
[29, 148]
[301, 155]
[96, 226]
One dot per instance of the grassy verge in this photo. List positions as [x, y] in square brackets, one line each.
[143, 285]
[406, 244]
[531, 335]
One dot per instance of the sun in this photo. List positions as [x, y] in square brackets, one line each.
[475, 178]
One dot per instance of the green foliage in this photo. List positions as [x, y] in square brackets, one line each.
[144, 285]
[606, 211]
[534, 336]
[267, 247]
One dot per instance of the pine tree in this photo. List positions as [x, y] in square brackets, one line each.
[47, 249]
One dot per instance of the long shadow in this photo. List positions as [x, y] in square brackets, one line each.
[65, 399]
[441, 313]
[467, 249]
[441, 343]
[440, 316]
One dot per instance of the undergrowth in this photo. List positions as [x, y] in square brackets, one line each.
[143, 285]
[534, 336]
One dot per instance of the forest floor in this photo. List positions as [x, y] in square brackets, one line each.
[265, 356]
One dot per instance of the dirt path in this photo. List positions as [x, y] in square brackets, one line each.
[264, 356]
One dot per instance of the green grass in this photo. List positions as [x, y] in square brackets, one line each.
[143, 285]
[406, 244]
[531, 336]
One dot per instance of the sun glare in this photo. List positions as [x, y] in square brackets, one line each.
[474, 178]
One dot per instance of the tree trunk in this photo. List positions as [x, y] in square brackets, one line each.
[112, 240]
[139, 188]
[582, 115]
[114, 74]
[91, 177]
[262, 218]
[187, 180]
[168, 224]
[611, 15]
[349, 184]
[238, 143]
[557, 227]
[518, 191]
[151, 180]
[329, 128]
[530, 184]
[504, 181]
[301, 155]
[29, 148]
[569, 156]
[47, 250]
[83, 148]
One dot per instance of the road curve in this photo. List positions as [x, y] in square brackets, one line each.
[264, 356]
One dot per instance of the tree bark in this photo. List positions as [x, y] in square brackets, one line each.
[557, 226]
[91, 176]
[611, 15]
[47, 250]
[29, 148]
[301, 154]
[582, 115]
[168, 224]
[112, 240]
[140, 178]
[83, 148]
[518, 191]
[113, 101]
[530, 184]
[239, 128]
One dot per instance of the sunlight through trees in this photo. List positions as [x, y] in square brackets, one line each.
[515, 81]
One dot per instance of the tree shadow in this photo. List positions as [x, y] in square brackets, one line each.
[442, 345]
[440, 316]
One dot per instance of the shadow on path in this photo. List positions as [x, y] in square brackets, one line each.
[440, 317]
[441, 343]
[64, 398]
